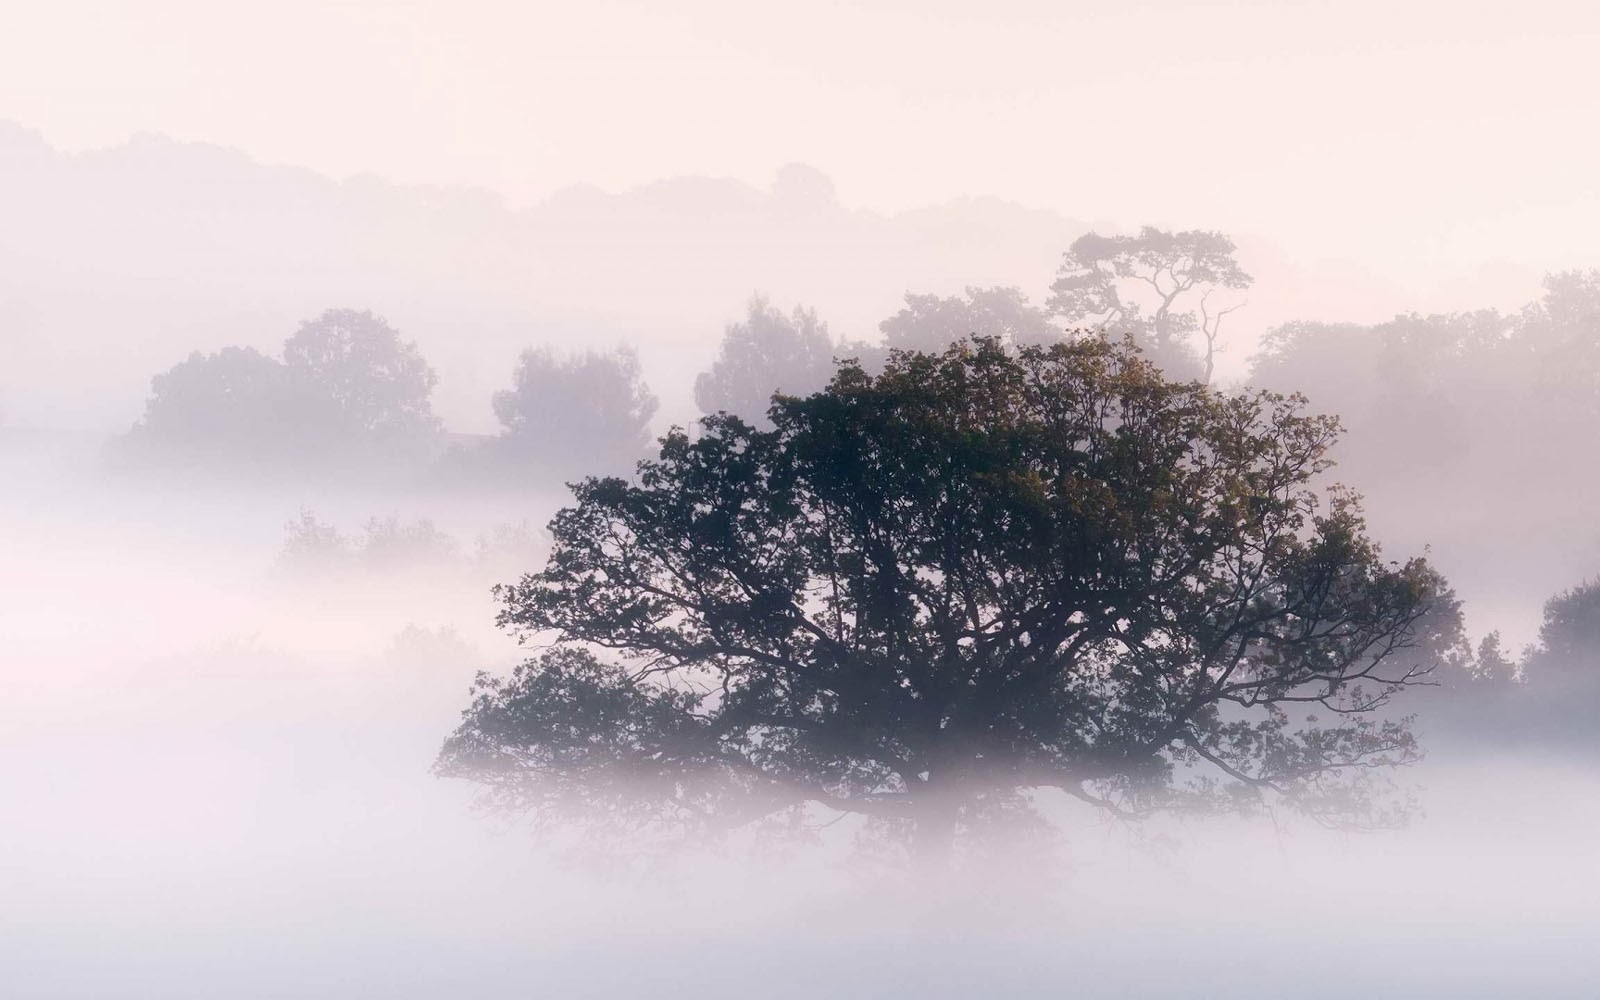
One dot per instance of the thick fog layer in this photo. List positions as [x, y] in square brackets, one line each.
[217, 784]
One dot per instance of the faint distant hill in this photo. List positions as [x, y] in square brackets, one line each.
[116, 263]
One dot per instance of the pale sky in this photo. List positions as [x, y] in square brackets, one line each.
[1425, 140]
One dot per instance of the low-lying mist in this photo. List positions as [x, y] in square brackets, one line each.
[221, 706]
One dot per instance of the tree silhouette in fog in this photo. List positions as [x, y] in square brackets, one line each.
[933, 323]
[923, 594]
[379, 385]
[348, 392]
[1156, 287]
[1563, 329]
[765, 353]
[236, 405]
[1568, 652]
[1464, 428]
[1547, 702]
[575, 414]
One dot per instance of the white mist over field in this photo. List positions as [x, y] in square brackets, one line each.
[216, 784]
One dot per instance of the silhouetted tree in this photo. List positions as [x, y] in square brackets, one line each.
[378, 384]
[1568, 651]
[1563, 330]
[236, 406]
[932, 323]
[923, 593]
[1155, 287]
[349, 393]
[1335, 364]
[1548, 702]
[576, 413]
[768, 352]
[1490, 665]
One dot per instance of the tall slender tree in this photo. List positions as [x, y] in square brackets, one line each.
[1156, 287]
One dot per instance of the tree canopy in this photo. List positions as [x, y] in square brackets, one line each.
[379, 385]
[1568, 650]
[933, 323]
[920, 595]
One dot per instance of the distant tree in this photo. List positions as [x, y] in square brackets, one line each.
[1568, 651]
[1450, 359]
[766, 353]
[313, 545]
[231, 407]
[1417, 391]
[1335, 364]
[387, 545]
[379, 385]
[1563, 330]
[348, 394]
[506, 550]
[1486, 669]
[1490, 664]
[1156, 287]
[921, 594]
[932, 323]
[583, 411]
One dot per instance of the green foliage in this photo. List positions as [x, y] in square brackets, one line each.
[979, 573]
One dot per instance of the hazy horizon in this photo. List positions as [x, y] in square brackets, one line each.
[1430, 141]
[248, 249]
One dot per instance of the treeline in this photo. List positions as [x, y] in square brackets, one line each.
[1475, 432]
[1478, 397]
[349, 396]
[391, 545]
[1495, 409]
[1545, 696]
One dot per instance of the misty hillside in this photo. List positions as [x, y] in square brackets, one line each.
[116, 263]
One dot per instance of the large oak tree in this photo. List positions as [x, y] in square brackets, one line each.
[926, 594]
